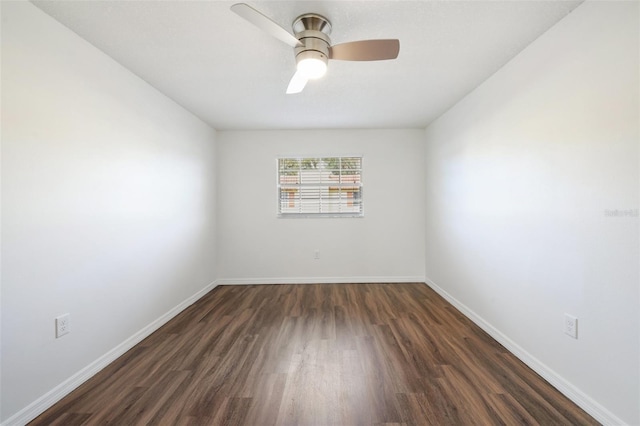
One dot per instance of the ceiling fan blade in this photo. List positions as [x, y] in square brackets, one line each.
[297, 83]
[365, 50]
[265, 24]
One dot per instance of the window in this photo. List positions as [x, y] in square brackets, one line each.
[329, 186]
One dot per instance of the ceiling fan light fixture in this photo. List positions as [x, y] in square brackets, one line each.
[312, 64]
[312, 68]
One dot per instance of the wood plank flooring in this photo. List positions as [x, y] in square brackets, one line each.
[322, 354]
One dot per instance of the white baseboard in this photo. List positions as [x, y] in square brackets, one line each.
[582, 400]
[319, 280]
[46, 401]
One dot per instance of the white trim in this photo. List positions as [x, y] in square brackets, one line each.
[47, 400]
[581, 399]
[319, 280]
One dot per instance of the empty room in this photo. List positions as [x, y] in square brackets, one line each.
[320, 212]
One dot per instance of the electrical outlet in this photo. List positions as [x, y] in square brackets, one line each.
[62, 325]
[571, 326]
[316, 254]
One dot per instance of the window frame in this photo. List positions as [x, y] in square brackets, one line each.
[319, 214]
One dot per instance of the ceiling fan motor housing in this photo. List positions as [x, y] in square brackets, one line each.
[313, 32]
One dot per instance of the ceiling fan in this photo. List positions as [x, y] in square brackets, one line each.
[312, 46]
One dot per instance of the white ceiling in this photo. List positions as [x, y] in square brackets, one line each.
[233, 76]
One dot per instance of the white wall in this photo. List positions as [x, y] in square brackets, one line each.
[524, 176]
[108, 206]
[254, 245]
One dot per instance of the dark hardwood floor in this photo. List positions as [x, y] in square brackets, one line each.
[325, 354]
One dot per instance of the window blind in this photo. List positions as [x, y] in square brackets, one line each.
[327, 186]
